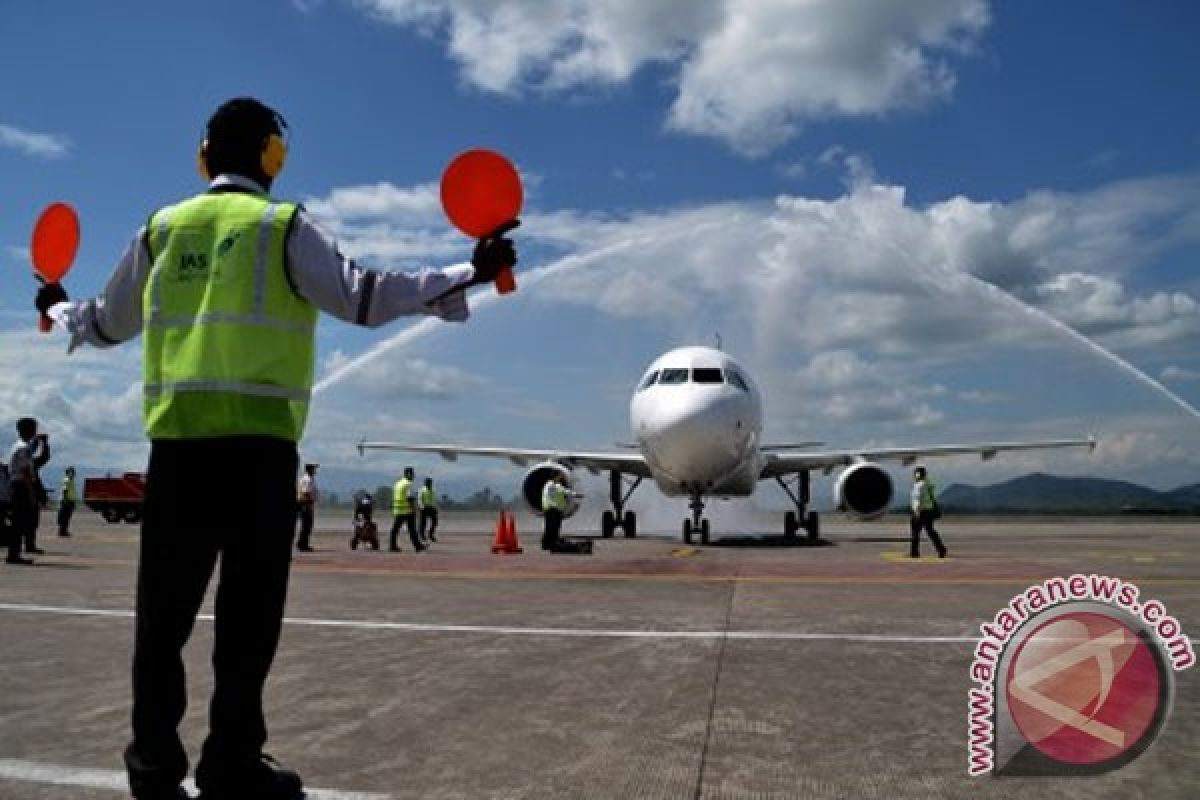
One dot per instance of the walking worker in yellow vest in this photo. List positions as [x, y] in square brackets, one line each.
[404, 512]
[67, 500]
[225, 288]
[427, 503]
[924, 507]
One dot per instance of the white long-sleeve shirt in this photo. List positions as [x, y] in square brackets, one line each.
[316, 270]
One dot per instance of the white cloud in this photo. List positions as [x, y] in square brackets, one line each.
[406, 379]
[1173, 373]
[90, 402]
[750, 72]
[39, 145]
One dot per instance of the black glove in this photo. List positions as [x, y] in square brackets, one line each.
[48, 295]
[494, 253]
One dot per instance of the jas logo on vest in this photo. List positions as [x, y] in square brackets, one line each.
[195, 266]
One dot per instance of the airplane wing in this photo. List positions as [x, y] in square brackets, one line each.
[627, 463]
[777, 464]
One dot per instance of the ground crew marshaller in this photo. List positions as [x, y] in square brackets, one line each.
[67, 499]
[225, 288]
[427, 502]
[925, 510]
[404, 512]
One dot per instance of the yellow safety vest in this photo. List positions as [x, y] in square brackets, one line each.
[400, 503]
[426, 498]
[554, 496]
[228, 344]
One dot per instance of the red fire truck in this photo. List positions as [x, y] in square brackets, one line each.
[116, 499]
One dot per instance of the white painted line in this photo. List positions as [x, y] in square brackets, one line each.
[115, 780]
[501, 630]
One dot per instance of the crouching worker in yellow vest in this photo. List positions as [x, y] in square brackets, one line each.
[556, 502]
[225, 288]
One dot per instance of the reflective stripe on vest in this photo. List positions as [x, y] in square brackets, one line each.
[400, 504]
[228, 344]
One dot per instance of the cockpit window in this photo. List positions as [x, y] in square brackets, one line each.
[672, 376]
[707, 375]
[737, 380]
[649, 380]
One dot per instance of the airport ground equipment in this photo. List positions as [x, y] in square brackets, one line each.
[116, 499]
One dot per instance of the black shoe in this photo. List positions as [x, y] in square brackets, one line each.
[37, 551]
[303, 548]
[267, 780]
[394, 550]
[942, 554]
[18, 560]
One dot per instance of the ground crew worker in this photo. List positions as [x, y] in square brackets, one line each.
[556, 501]
[67, 499]
[427, 502]
[29, 453]
[404, 512]
[226, 287]
[925, 510]
[306, 502]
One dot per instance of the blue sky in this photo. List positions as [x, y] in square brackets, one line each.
[824, 182]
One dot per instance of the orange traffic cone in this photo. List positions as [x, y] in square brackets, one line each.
[511, 538]
[499, 541]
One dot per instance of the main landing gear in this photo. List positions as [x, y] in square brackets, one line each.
[697, 524]
[801, 518]
[618, 517]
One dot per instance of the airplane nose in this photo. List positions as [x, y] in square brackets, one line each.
[696, 442]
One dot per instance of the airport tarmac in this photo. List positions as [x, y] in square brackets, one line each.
[647, 670]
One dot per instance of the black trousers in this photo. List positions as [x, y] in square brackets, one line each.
[306, 526]
[65, 510]
[8, 531]
[408, 520]
[430, 516]
[183, 535]
[24, 516]
[551, 533]
[924, 521]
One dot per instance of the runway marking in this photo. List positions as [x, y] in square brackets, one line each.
[116, 780]
[893, 579]
[510, 630]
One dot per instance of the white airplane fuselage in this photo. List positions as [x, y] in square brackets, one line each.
[697, 419]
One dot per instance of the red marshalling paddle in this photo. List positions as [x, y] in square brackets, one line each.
[482, 196]
[53, 247]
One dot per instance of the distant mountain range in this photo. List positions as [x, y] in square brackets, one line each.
[1041, 493]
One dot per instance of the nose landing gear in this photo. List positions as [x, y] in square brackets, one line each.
[697, 524]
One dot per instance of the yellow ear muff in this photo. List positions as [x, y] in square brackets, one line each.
[273, 156]
[202, 161]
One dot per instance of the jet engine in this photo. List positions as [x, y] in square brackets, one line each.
[864, 490]
[535, 480]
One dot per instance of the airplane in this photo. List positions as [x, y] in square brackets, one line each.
[697, 421]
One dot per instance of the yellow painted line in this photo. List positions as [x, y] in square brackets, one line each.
[1143, 559]
[897, 557]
